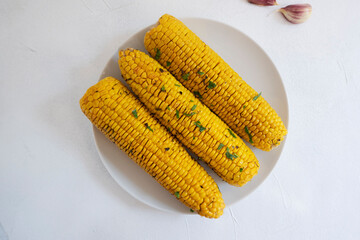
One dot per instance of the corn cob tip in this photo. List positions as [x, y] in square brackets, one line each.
[122, 53]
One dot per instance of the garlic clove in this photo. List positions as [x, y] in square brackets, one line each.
[297, 13]
[263, 2]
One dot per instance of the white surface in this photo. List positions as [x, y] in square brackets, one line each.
[242, 54]
[53, 184]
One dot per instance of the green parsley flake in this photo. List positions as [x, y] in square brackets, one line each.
[177, 113]
[177, 194]
[229, 155]
[193, 137]
[220, 146]
[241, 169]
[148, 127]
[257, 96]
[168, 63]
[193, 108]
[135, 113]
[191, 210]
[168, 108]
[200, 73]
[191, 100]
[177, 85]
[189, 114]
[186, 76]
[158, 53]
[198, 124]
[163, 89]
[211, 85]
[248, 133]
[244, 106]
[197, 94]
[231, 133]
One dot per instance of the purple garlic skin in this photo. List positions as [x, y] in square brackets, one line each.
[263, 2]
[297, 13]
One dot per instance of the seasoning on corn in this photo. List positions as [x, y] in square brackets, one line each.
[220, 87]
[109, 105]
[189, 120]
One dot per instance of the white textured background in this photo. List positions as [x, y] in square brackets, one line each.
[52, 182]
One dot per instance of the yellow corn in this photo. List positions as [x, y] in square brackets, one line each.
[188, 119]
[201, 70]
[124, 120]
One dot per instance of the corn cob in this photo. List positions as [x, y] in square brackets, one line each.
[188, 119]
[125, 121]
[205, 73]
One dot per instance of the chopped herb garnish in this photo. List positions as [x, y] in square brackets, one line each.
[146, 87]
[167, 149]
[191, 210]
[193, 108]
[200, 73]
[229, 155]
[220, 146]
[168, 108]
[211, 85]
[198, 124]
[168, 128]
[177, 113]
[257, 96]
[186, 76]
[163, 89]
[158, 53]
[248, 133]
[191, 100]
[135, 113]
[241, 169]
[197, 94]
[177, 194]
[244, 106]
[161, 70]
[189, 114]
[177, 85]
[231, 133]
[148, 127]
[168, 63]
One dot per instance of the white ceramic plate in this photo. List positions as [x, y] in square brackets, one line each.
[256, 68]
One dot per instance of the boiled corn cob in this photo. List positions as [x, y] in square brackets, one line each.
[125, 121]
[188, 119]
[220, 88]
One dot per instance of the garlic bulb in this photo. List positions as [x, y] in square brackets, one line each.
[264, 2]
[297, 13]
